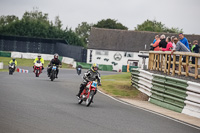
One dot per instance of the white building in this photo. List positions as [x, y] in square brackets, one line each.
[115, 47]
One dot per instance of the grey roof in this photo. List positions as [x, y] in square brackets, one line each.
[125, 40]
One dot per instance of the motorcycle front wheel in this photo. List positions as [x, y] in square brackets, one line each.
[37, 73]
[90, 98]
[10, 71]
[52, 76]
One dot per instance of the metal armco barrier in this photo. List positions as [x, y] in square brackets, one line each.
[171, 93]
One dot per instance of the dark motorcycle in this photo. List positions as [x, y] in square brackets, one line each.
[11, 68]
[78, 71]
[88, 93]
[53, 73]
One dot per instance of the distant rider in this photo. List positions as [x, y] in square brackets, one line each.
[38, 58]
[13, 61]
[90, 75]
[54, 61]
[79, 67]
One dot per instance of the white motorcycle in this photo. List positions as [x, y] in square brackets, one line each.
[11, 68]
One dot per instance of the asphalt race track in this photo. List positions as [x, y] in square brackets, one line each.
[38, 105]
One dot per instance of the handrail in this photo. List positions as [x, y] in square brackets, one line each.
[162, 61]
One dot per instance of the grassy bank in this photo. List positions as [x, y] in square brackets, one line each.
[119, 86]
[27, 62]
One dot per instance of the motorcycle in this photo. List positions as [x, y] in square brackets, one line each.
[53, 73]
[88, 93]
[11, 68]
[78, 71]
[37, 68]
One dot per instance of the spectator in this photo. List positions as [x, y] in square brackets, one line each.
[162, 43]
[168, 48]
[156, 44]
[173, 44]
[190, 45]
[184, 40]
[195, 49]
[154, 40]
[169, 45]
[181, 48]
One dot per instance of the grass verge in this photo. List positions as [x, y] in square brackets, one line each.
[119, 86]
[27, 62]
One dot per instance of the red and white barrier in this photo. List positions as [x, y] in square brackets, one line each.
[22, 70]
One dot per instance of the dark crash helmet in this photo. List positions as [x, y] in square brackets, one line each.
[13, 59]
[56, 56]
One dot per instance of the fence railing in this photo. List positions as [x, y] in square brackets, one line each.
[173, 63]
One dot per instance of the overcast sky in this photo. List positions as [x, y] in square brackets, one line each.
[184, 14]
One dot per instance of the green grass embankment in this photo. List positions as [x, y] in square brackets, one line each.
[119, 86]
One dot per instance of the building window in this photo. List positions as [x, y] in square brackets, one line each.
[98, 52]
[133, 62]
[128, 54]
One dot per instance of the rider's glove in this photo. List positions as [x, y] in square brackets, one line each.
[99, 84]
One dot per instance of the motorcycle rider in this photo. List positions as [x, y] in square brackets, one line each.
[90, 75]
[79, 67]
[54, 61]
[13, 61]
[38, 58]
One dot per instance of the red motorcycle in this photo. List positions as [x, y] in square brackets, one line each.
[37, 68]
[88, 93]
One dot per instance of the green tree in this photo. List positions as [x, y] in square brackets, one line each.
[83, 31]
[36, 24]
[4, 20]
[110, 24]
[58, 22]
[155, 26]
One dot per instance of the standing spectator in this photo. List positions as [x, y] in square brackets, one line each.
[162, 43]
[173, 44]
[156, 44]
[190, 45]
[181, 48]
[184, 40]
[169, 45]
[168, 48]
[154, 40]
[195, 49]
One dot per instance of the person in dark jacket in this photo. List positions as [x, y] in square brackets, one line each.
[162, 43]
[54, 61]
[194, 49]
[78, 69]
[90, 75]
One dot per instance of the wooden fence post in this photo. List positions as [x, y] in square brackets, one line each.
[187, 66]
[161, 64]
[196, 67]
[174, 65]
[169, 64]
[158, 62]
[179, 65]
[154, 61]
[165, 65]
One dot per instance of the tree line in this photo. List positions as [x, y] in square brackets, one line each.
[36, 24]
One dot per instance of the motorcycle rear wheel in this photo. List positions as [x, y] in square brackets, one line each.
[80, 101]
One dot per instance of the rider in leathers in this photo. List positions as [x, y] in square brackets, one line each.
[54, 61]
[90, 75]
